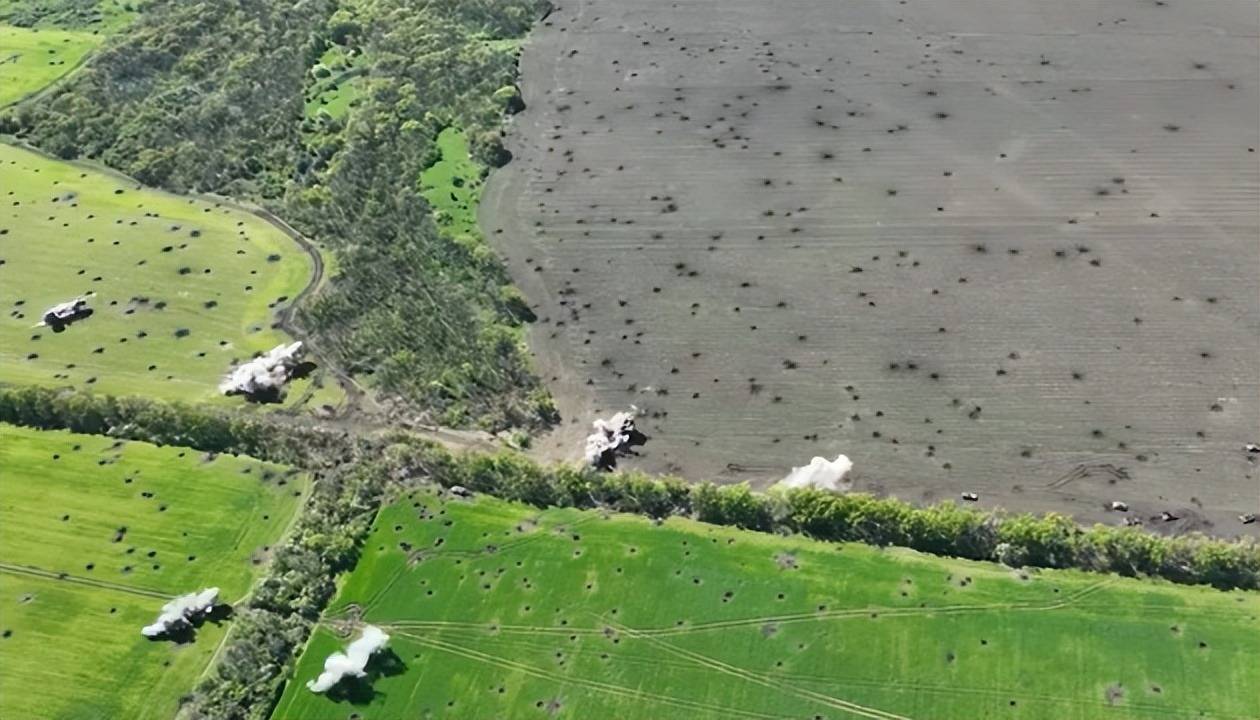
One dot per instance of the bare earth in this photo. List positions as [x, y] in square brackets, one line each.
[1002, 246]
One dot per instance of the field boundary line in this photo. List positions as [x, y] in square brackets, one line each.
[883, 611]
[585, 683]
[754, 677]
[79, 580]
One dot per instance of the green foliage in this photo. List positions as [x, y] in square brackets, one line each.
[256, 659]
[487, 149]
[418, 305]
[212, 88]
[161, 423]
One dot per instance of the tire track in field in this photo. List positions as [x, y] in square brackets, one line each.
[541, 532]
[609, 688]
[623, 655]
[760, 679]
[974, 691]
[79, 580]
[1067, 601]
[882, 611]
[1022, 695]
[473, 632]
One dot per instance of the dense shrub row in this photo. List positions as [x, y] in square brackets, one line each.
[424, 313]
[1049, 541]
[266, 638]
[283, 440]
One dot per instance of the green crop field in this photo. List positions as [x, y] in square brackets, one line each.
[181, 287]
[96, 536]
[31, 59]
[500, 610]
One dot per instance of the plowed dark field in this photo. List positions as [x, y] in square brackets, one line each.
[1002, 246]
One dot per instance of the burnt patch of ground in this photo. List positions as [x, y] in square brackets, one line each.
[1001, 247]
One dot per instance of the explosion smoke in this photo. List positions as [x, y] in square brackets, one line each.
[612, 437]
[179, 613]
[820, 474]
[352, 662]
[265, 373]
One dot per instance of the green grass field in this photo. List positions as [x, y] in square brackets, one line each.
[31, 59]
[452, 186]
[336, 92]
[500, 610]
[75, 588]
[181, 287]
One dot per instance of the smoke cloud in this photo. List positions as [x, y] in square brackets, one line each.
[820, 473]
[352, 662]
[611, 438]
[180, 612]
[265, 373]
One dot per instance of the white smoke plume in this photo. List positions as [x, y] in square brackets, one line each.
[820, 473]
[180, 612]
[352, 662]
[265, 372]
[611, 438]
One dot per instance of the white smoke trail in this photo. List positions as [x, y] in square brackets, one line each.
[179, 612]
[820, 473]
[351, 662]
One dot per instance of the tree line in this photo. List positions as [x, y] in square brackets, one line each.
[355, 474]
[1050, 540]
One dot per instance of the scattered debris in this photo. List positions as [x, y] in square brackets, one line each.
[352, 662]
[262, 378]
[612, 438]
[180, 613]
[1133, 521]
[970, 497]
[1168, 516]
[59, 317]
[820, 474]
[1119, 506]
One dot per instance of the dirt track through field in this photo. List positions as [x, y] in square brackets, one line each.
[1002, 246]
